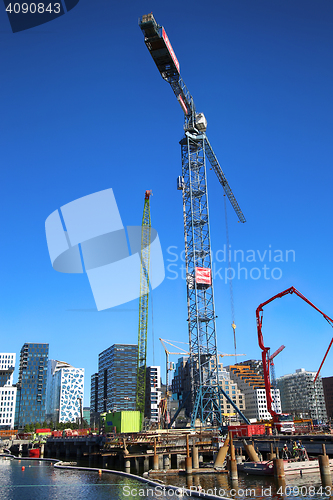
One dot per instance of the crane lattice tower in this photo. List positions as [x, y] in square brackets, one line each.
[206, 393]
[143, 305]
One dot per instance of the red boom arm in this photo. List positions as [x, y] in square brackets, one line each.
[265, 360]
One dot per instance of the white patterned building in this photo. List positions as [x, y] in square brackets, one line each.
[65, 386]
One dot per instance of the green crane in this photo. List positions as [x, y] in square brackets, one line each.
[143, 306]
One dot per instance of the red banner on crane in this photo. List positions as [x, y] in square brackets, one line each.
[203, 276]
[170, 49]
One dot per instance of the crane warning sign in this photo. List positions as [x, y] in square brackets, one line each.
[170, 49]
[203, 276]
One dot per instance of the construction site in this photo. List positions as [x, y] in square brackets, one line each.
[212, 416]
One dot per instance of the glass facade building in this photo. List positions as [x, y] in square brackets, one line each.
[31, 385]
[117, 369]
[7, 391]
[94, 415]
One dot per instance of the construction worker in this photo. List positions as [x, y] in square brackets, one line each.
[285, 453]
[295, 449]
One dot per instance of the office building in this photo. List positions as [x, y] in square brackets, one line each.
[31, 385]
[252, 385]
[153, 392]
[64, 394]
[181, 386]
[94, 415]
[301, 397]
[328, 395]
[117, 369]
[7, 390]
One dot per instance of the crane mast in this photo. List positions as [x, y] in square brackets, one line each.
[143, 305]
[206, 392]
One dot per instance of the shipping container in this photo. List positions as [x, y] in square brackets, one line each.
[121, 421]
[245, 430]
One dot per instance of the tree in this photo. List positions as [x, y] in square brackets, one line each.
[44, 425]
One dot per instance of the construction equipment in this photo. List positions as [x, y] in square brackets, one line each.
[169, 367]
[206, 393]
[280, 420]
[272, 372]
[143, 305]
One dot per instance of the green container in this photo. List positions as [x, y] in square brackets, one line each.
[124, 421]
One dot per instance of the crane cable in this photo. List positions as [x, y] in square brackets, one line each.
[230, 278]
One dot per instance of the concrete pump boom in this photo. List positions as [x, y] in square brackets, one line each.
[265, 350]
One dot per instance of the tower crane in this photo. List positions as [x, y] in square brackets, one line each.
[143, 305]
[266, 359]
[206, 392]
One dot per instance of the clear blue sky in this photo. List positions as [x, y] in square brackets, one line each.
[84, 108]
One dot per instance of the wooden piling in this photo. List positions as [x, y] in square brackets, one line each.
[222, 453]
[195, 457]
[155, 457]
[251, 452]
[271, 455]
[188, 459]
[232, 464]
[278, 468]
[324, 466]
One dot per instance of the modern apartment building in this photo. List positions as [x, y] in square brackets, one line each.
[31, 385]
[254, 364]
[153, 392]
[64, 394]
[7, 390]
[301, 397]
[117, 369]
[252, 384]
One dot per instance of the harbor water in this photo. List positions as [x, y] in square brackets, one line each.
[40, 480]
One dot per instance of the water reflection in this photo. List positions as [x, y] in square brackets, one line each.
[41, 481]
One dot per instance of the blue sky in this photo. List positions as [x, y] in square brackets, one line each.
[84, 109]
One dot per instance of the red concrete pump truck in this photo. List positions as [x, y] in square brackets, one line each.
[282, 423]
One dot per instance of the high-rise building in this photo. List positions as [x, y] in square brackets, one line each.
[181, 385]
[31, 385]
[94, 415]
[7, 390]
[300, 396]
[64, 393]
[252, 384]
[117, 369]
[328, 395]
[153, 392]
